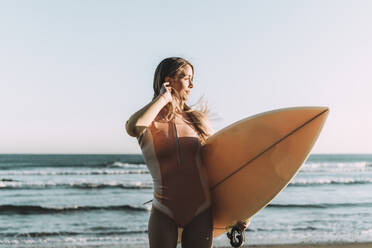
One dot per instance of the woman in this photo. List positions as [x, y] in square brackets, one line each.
[170, 134]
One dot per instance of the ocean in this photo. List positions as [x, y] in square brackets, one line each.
[97, 200]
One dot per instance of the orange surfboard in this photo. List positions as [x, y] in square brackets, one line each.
[249, 162]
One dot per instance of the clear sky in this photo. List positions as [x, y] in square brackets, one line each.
[72, 72]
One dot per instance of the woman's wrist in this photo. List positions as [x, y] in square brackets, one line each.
[164, 98]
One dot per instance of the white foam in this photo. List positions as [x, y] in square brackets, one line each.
[126, 165]
[329, 180]
[335, 166]
[82, 184]
[73, 172]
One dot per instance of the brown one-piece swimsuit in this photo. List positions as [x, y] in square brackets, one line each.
[171, 150]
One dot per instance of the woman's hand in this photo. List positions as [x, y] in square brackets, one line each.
[146, 115]
[242, 225]
[165, 92]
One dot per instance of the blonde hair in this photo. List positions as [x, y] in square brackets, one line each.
[172, 67]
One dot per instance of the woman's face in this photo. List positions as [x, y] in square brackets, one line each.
[183, 82]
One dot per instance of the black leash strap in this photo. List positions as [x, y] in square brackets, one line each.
[236, 237]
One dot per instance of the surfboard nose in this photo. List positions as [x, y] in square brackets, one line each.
[324, 109]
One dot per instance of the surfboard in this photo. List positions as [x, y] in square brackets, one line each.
[251, 161]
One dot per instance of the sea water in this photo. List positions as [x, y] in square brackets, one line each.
[97, 200]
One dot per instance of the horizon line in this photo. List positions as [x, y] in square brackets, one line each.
[141, 154]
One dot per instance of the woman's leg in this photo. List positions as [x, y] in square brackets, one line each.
[199, 233]
[163, 231]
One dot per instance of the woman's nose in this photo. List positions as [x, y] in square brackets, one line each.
[191, 85]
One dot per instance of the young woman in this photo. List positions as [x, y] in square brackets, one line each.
[170, 135]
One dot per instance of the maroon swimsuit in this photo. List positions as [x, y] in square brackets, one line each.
[172, 153]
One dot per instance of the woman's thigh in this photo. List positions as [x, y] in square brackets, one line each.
[163, 231]
[199, 233]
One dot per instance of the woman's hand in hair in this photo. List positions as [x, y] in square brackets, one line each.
[143, 117]
[165, 92]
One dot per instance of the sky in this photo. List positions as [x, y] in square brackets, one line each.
[72, 72]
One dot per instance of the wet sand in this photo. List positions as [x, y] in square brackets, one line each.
[333, 245]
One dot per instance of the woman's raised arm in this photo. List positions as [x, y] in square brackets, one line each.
[143, 117]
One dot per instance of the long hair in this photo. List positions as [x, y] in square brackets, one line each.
[172, 67]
